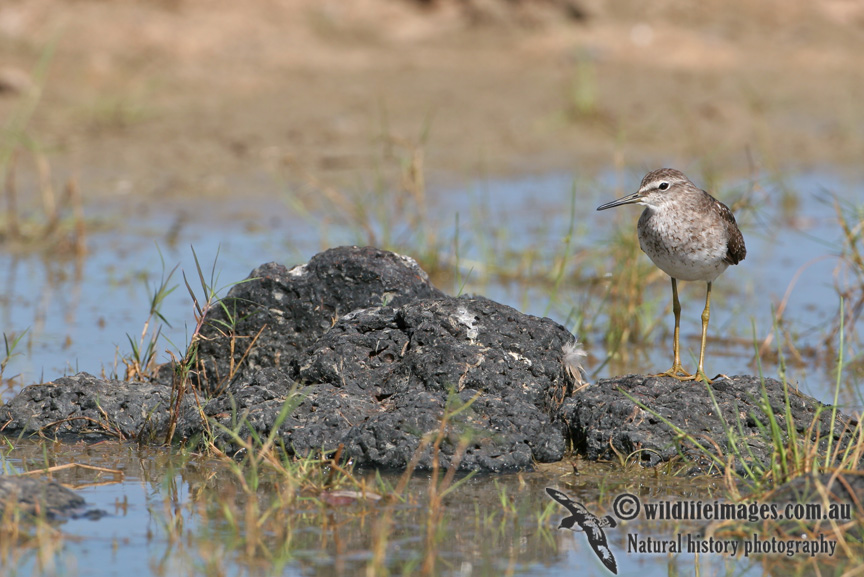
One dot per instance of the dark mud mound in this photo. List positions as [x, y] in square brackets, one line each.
[357, 349]
[625, 416]
[286, 311]
[86, 405]
[38, 498]
[382, 378]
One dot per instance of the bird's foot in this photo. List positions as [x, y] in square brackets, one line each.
[701, 376]
[677, 372]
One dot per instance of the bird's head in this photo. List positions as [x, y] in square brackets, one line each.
[658, 188]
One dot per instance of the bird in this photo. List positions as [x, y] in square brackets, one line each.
[689, 235]
[591, 524]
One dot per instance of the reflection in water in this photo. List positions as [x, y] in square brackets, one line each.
[178, 513]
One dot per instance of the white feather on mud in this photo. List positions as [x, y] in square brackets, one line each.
[573, 355]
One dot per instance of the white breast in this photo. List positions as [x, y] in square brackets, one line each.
[683, 249]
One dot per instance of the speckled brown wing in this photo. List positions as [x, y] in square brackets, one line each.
[735, 249]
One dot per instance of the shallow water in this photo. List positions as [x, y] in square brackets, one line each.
[167, 516]
[78, 314]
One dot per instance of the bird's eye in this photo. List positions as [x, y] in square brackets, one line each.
[663, 185]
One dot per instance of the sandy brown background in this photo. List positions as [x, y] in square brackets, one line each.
[168, 98]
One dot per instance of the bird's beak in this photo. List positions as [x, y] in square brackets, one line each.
[629, 199]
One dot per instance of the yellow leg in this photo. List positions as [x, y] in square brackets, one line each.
[706, 314]
[677, 371]
[676, 310]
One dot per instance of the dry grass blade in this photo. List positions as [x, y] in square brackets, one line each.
[178, 390]
[74, 198]
[104, 426]
[13, 229]
[781, 308]
[117, 474]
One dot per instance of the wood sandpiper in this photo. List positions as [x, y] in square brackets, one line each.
[689, 235]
